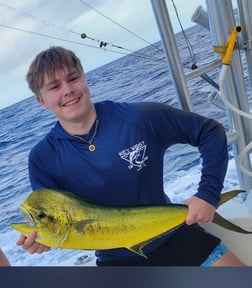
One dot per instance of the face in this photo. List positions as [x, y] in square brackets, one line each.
[67, 96]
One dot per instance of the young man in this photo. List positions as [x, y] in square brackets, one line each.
[112, 153]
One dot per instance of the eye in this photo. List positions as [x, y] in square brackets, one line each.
[41, 215]
[72, 79]
[54, 87]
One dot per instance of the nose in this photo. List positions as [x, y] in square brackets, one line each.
[67, 89]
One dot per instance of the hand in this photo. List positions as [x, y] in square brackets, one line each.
[29, 244]
[199, 210]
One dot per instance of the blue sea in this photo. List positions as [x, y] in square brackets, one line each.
[140, 76]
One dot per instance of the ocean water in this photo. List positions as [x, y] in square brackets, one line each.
[131, 78]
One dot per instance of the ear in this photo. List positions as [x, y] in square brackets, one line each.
[41, 101]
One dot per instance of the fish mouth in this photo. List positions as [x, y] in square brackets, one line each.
[28, 217]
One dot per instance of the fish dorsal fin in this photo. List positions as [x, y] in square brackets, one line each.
[80, 225]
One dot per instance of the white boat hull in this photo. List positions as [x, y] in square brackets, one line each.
[239, 244]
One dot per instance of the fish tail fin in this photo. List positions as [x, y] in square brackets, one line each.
[229, 195]
[221, 221]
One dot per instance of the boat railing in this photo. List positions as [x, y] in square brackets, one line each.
[233, 91]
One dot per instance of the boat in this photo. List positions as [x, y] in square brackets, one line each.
[229, 40]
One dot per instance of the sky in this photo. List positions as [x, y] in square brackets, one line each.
[30, 26]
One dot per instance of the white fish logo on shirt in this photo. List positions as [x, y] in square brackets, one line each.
[135, 155]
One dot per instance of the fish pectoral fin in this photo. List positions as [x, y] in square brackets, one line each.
[221, 221]
[80, 225]
[138, 250]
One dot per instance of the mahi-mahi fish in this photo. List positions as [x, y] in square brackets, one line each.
[67, 221]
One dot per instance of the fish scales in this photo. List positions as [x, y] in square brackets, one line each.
[118, 228]
[67, 221]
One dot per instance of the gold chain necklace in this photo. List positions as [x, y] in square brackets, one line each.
[91, 146]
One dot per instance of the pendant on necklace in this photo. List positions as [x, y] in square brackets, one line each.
[91, 147]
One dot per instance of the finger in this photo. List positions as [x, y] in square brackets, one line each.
[38, 248]
[42, 249]
[21, 240]
[190, 219]
[34, 248]
[29, 241]
[33, 236]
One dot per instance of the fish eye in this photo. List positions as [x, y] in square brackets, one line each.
[41, 215]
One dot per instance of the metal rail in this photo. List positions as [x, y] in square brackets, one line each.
[221, 22]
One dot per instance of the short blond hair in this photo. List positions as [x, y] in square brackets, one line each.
[48, 62]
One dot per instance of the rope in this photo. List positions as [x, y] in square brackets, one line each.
[121, 26]
[102, 44]
[189, 46]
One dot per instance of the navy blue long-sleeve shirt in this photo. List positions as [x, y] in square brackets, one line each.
[126, 169]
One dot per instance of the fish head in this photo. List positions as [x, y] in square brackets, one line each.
[40, 219]
[44, 212]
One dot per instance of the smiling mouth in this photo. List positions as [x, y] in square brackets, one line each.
[69, 103]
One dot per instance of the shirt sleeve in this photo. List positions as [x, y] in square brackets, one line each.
[40, 167]
[172, 126]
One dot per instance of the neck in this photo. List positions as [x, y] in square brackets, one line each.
[80, 126]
